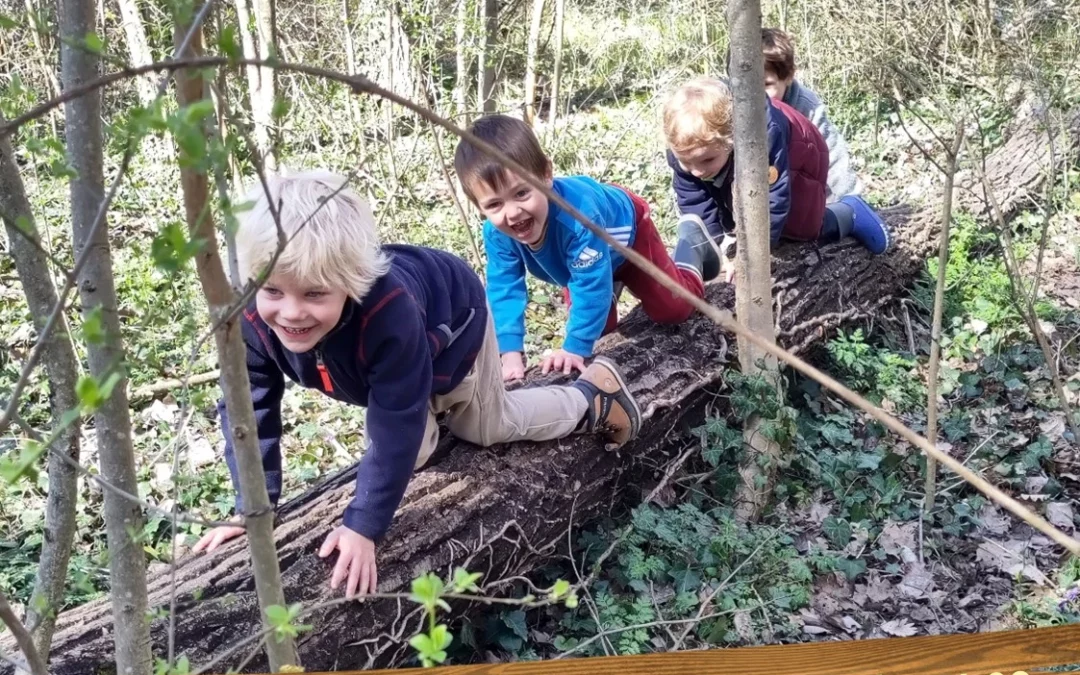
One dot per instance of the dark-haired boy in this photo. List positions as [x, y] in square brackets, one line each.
[780, 84]
[524, 231]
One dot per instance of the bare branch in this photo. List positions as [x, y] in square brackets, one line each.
[22, 637]
[930, 484]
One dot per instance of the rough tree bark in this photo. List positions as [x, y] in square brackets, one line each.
[753, 276]
[531, 56]
[506, 510]
[191, 88]
[112, 421]
[63, 370]
[138, 49]
[485, 57]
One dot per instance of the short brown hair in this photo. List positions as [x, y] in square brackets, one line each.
[699, 113]
[513, 137]
[779, 51]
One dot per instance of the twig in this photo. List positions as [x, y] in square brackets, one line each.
[478, 258]
[930, 482]
[22, 637]
[162, 386]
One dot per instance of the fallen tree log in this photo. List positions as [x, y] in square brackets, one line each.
[501, 511]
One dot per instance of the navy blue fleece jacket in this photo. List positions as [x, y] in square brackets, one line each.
[416, 334]
[798, 168]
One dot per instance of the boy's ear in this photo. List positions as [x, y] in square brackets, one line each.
[549, 174]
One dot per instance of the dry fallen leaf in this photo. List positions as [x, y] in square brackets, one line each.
[917, 582]
[896, 536]
[1054, 426]
[877, 589]
[899, 628]
[1060, 514]
[1008, 556]
[993, 521]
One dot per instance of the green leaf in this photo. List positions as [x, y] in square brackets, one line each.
[515, 621]
[441, 637]
[227, 43]
[837, 530]
[89, 393]
[281, 108]
[561, 588]
[464, 580]
[277, 615]
[427, 590]
[171, 249]
[7, 23]
[17, 463]
[198, 111]
[93, 43]
[92, 329]
[26, 225]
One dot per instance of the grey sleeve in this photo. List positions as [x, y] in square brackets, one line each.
[842, 178]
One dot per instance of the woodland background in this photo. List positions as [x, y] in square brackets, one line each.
[844, 549]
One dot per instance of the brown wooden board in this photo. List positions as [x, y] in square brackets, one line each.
[979, 654]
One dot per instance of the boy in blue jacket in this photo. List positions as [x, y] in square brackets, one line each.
[402, 330]
[698, 125]
[525, 232]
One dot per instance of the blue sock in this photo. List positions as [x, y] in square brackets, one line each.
[868, 228]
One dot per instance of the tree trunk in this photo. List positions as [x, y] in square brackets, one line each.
[506, 510]
[556, 75]
[232, 357]
[112, 421]
[485, 61]
[260, 114]
[753, 284]
[350, 66]
[63, 370]
[461, 82]
[265, 15]
[138, 49]
[531, 50]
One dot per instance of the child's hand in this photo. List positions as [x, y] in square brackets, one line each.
[729, 271]
[563, 360]
[356, 561]
[216, 537]
[513, 366]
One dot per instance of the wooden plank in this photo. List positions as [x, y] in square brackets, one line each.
[1005, 652]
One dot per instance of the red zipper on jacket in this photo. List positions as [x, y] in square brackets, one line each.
[327, 383]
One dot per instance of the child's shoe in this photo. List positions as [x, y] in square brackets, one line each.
[612, 409]
[868, 228]
[694, 251]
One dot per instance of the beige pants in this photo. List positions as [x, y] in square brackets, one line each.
[481, 411]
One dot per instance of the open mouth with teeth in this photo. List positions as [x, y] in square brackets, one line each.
[523, 228]
[296, 332]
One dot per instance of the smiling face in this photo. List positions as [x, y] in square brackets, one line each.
[514, 208]
[300, 314]
[704, 161]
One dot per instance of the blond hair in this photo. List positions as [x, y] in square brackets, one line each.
[698, 113]
[330, 231]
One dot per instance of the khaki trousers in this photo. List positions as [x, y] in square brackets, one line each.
[481, 411]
